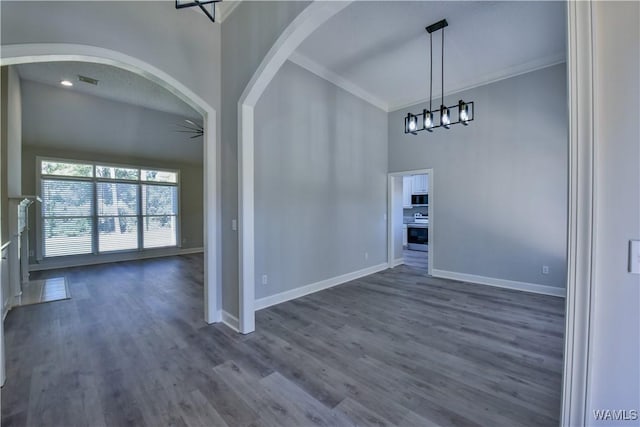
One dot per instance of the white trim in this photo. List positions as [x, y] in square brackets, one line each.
[351, 87]
[503, 75]
[581, 240]
[500, 283]
[317, 286]
[430, 210]
[68, 262]
[316, 14]
[48, 52]
[390, 219]
[230, 320]
[341, 82]
[246, 223]
[396, 262]
[212, 219]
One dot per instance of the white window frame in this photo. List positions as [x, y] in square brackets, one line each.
[39, 238]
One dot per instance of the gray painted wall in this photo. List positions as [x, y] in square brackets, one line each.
[74, 121]
[247, 35]
[501, 185]
[614, 359]
[10, 181]
[320, 182]
[14, 131]
[191, 186]
[4, 111]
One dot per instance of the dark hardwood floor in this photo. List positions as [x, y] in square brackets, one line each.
[416, 259]
[394, 348]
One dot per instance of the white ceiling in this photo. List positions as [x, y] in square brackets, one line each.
[380, 50]
[114, 83]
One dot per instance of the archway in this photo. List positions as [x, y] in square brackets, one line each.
[30, 53]
[315, 15]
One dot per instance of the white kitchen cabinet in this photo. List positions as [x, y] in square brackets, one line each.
[407, 188]
[405, 240]
[420, 184]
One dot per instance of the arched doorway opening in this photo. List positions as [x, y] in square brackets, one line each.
[33, 53]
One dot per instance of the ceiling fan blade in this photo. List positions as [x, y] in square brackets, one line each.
[188, 127]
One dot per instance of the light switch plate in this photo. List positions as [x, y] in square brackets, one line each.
[634, 256]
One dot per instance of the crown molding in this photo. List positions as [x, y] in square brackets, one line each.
[490, 78]
[337, 80]
[343, 83]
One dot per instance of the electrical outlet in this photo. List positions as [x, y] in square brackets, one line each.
[366, 255]
[32, 252]
[234, 225]
[265, 279]
[545, 269]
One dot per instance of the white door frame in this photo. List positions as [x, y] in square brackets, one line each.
[391, 217]
[47, 52]
[581, 219]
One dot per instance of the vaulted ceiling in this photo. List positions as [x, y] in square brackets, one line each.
[380, 50]
[124, 114]
[114, 83]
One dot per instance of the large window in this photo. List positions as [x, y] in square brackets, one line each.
[94, 208]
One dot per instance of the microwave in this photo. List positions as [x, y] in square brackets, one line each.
[419, 199]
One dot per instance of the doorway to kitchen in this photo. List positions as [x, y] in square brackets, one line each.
[410, 226]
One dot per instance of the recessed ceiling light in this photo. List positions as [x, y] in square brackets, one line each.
[66, 83]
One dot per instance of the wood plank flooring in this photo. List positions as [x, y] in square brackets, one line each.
[394, 348]
[416, 259]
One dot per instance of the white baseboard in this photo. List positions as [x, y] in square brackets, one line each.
[500, 283]
[67, 262]
[230, 320]
[397, 262]
[317, 286]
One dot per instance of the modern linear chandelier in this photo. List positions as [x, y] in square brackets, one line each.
[414, 123]
[181, 4]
